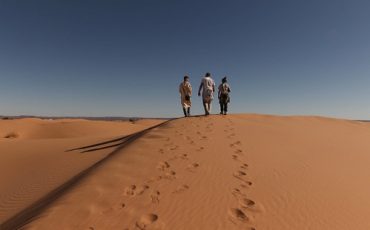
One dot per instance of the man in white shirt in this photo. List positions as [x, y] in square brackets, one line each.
[207, 86]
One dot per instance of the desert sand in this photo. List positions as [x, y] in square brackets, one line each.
[34, 160]
[242, 171]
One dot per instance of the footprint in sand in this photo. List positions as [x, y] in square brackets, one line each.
[181, 189]
[239, 152]
[237, 214]
[113, 208]
[200, 149]
[184, 157]
[244, 166]
[246, 184]
[247, 203]
[171, 175]
[130, 191]
[155, 197]
[237, 143]
[11, 135]
[204, 138]
[163, 165]
[231, 135]
[141, 189]
[192, 167]
[189, 140]
[174, 147]
[133, 190]
[180, 156]
[153, 179]
[161, 151]
[235, 157]
[146, 220]
[241, 175]
[238, 193]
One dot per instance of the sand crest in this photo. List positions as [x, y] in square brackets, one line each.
[225, 172]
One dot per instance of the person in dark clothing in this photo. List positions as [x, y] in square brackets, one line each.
[223, 95]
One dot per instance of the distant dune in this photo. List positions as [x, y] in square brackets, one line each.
[243, 171]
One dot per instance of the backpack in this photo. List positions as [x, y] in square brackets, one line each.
[225, 89]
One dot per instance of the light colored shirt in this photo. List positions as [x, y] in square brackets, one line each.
[185, 90]
[207, 86]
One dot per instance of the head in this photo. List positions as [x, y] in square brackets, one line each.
[186, 78]
[208, 74]
[224, 79]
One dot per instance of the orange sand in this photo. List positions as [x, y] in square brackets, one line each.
[34, 161]
[218, 172]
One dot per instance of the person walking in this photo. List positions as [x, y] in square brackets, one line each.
[223, 95]
[207, 86]
[185, 92]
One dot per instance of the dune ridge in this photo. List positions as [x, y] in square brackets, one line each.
[242, 171]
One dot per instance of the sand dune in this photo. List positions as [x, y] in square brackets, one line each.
[34, 161]
[220, 172]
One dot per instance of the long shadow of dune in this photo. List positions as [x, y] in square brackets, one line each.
[28, 214]
[121, 139]
[103, 145]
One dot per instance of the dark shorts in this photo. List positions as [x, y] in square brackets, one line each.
[224, 98]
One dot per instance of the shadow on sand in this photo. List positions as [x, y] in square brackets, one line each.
[31, 212]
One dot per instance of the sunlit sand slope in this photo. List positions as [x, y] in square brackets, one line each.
[226, 172]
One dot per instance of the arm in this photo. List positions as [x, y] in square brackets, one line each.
[200, 88]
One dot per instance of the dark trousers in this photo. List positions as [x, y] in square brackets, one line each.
[223, 107]
[186, 111]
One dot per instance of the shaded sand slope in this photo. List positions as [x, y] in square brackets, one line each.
[227, 172]
[34, 161]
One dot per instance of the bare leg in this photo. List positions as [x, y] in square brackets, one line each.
[209, 107]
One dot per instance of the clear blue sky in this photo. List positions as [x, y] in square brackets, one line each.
[127, 57]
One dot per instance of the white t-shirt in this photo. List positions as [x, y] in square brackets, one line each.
[207, 85]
